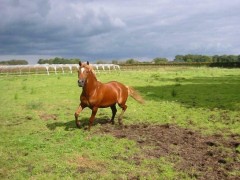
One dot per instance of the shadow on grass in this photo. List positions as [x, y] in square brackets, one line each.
[71, 126]
[220, 92]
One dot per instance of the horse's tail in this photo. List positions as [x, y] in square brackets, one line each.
[135, 95]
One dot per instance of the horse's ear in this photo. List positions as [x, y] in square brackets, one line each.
[87, 63]
[80, 63]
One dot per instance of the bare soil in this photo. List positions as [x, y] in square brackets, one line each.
[47, 117]
[201, 157]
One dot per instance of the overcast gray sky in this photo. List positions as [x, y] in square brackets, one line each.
[117, 29]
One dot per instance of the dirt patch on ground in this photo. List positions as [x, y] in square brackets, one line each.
[202, 157]
[85, 165]
[47, 117]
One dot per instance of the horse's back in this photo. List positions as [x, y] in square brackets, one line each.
[117, 86]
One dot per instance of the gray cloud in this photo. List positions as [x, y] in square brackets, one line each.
[119, 29]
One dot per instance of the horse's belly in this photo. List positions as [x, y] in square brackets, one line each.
[108, 101]
[102, 101]
[107, 104]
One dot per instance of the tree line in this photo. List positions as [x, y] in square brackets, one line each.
[189, 58]
[14, 62]
[203, 58]
[58, 60]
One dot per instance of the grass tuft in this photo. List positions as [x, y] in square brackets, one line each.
[174, 93]
[34, 105]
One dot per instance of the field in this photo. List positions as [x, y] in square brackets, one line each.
[189, 127]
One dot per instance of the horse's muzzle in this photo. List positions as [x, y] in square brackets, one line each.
[80, 83]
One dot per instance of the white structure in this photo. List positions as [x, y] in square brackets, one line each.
[47, 67]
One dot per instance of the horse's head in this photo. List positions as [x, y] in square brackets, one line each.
[84, 70]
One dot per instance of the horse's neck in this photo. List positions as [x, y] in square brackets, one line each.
[90, 84]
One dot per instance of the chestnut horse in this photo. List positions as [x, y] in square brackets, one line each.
[101, 95]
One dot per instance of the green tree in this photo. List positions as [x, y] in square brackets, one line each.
[58, 60]
[100, 62]
[159, 60]
[193, 58]
[131, 61]
[114, 61]
[215, 58]
[232, 58]
[179, 58]
[14, 62]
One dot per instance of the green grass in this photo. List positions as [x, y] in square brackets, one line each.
[34, 145]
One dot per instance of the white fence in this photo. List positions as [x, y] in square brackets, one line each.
[47, 68]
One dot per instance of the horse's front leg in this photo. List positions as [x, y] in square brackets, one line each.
[94, 112]
[79, 109]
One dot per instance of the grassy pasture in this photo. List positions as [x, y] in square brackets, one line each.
[39, 139]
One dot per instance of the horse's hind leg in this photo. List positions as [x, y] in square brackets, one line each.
[124, 107]
[114, 111]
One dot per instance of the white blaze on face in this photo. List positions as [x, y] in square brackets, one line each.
[82, 70]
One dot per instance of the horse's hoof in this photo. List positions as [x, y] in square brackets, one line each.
[120, 127]
[112, 122]
[78, 125]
